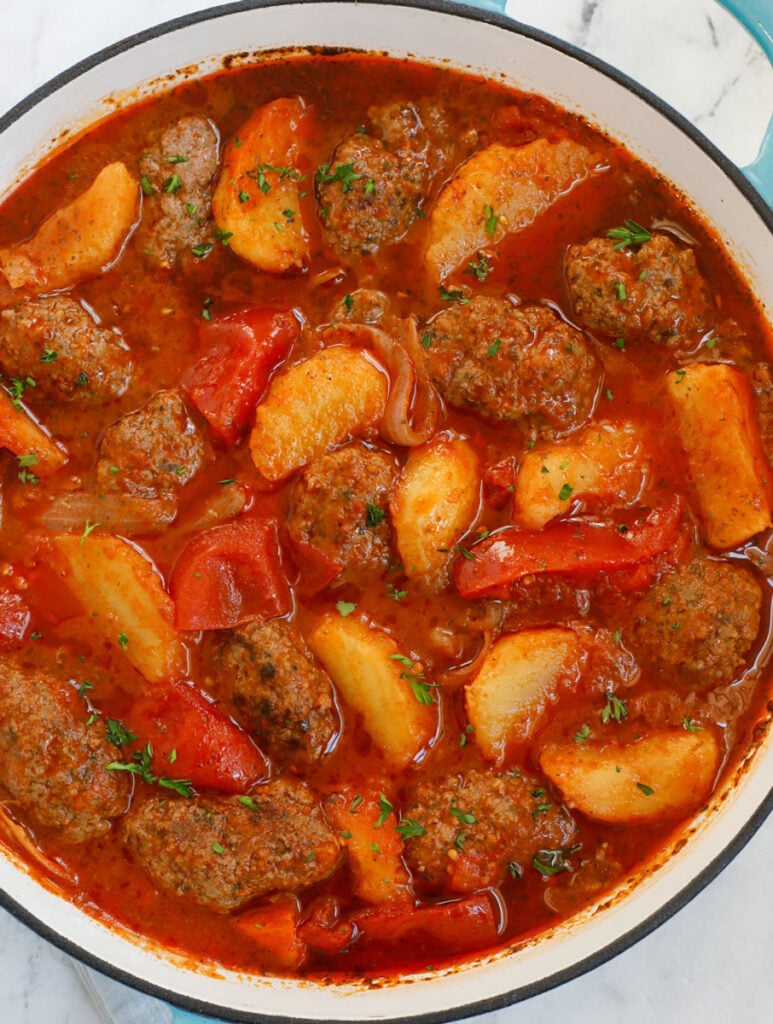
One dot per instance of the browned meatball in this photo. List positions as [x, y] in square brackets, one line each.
[278, 691]
[339, 508]
[480, 825]
[59, 344]
[371, 191]
[507, 363]
[362, 306]
[52, 761]
[698, 623]
[178, 170]
[223, 852]
[652, 291]
[151, 452]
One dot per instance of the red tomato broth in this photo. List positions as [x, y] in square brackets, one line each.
[157, 321]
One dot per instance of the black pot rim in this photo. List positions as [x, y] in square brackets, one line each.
[755, 821]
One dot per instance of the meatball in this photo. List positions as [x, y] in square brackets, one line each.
[59, 344]
[371, 191]
[52, 761]
[479, 825]
[225, 851]
[339, 509]
[151, 452]
[278, 691]
[508, 363]
[653, 291]
[362, 306]
[698, 623]
[178, 170]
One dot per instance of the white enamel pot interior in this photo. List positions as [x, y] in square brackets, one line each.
[495, 46]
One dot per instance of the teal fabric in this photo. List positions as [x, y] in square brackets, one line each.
[757, 17]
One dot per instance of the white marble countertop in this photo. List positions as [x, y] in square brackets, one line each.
[711, 962]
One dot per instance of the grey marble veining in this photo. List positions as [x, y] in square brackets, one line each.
[711, 962]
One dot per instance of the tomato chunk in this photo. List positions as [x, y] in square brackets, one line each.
[576, 548]
[323, 930]
[192, 739]
[273, 929]
[243, 346]
[229, 574]
[453, 927]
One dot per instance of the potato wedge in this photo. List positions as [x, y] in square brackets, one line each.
[378, 681]
[335, 394]
[122, 591]
[519, 679]
[257, 196]
[606, 461]
[715, 414]
[22, 435]
[81, 239]
[434, 503]
[512, 184]
[667, 773]
[375, 850]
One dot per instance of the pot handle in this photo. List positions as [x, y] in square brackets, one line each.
[756, 16]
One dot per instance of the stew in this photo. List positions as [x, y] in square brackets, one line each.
[386, 510]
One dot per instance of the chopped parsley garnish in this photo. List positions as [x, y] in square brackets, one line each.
[494, 347]
[244, 197]
[454, 295]
[228, 480]
[146, 186]
[123, 640]
[385, 809]
[426, 340]
[468, 730]
[17, 388]
[84, 687]
[202, 249]
[172, 184]
[459, 839]
[370, 187]
[478, 268]
[141, 765]
[491, 220]
[553, 862]
[345, 608]
[344, 173]
[620, 343]
[409, 828]
[356, 803]
[583, 734]
[223, 236]
[614, 709]
[422, 690]
[616, 636]
[117, 733]
[247, 801]
[565, 493]
[87, 530]
[218, 849]
[621, 290]
[92, 718]
[710, 343]
[49, 355]
[514, 869]
[395, 593]
[179, 159]
[465, 553]
[680, 375]
[347, 301]
[647, 790]
[464, 817]
[25, 462]
[259, 175]
[631, 234]
[374, 515]
[690, 726]
[81, 380]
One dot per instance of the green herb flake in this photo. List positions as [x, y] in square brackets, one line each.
[145, 185]
[631, 234]
[478, 268]
[710, 343]
[172, 184]
[345, 608]
[84, 687]
[565, 493]
[621, 290]
[614, 709]
[356, 803]
[88, 529]
[491, 220]
[370, 187]
[218, 849]
[347, 301]
[426, 340]
[117, 733]
[228, 480]
[465, 553]
[453, 295]
[616, 636]
[223, 236]
[385, 809]
[49, 355]
[374, 516]
[409, 828]
[464, 817]
[123, 640]
[553, 862]
[647, 790]
[582, 735]
[344, 173]
[690, 726]
[179, 159]
[494, 347]
[680, 375]
[620, 343]
[202, 250]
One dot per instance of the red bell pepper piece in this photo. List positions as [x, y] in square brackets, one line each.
[209, 749]
[229, 574]
[243, 346]
[14, 619]
[453, 927]
[576, 548]
[324, 930]
[317, 568]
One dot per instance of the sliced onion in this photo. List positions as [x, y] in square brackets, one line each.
[413, 408]
[119, 512]
[226, 503]
[17, 835]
